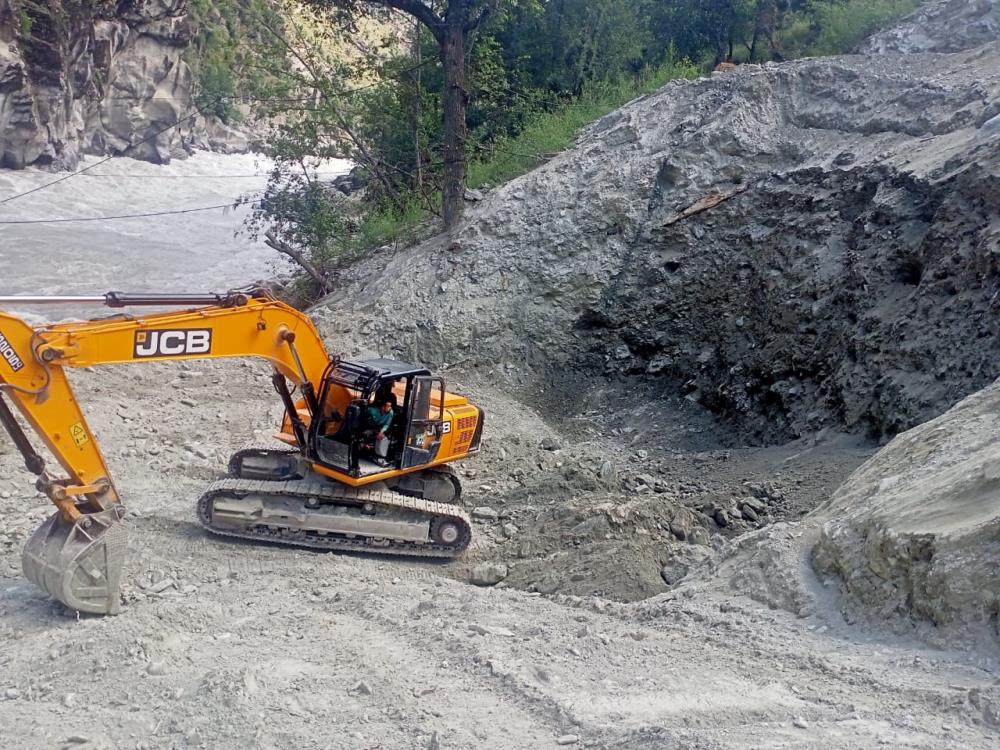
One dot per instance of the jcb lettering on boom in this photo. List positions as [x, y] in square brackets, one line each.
[8, 353]
[172, 342]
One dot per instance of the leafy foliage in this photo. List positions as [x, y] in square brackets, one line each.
[841, 26]
[536, 71]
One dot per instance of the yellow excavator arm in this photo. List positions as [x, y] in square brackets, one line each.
[34, 378]
[78, 554]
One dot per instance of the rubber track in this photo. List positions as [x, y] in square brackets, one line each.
[304, 488]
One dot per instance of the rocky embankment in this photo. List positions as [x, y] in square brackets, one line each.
[94, 78]
[797, 247]
[911, 537]
[940, 26]
[794, 246]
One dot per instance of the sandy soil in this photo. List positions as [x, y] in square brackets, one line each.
[231, 645]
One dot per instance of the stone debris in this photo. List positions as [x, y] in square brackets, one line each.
[488, 573]
[361, 688]
[484, 513]
[491, 630]
[156, 668]
[161, 586]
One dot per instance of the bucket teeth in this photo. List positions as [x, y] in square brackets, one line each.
[79, 562]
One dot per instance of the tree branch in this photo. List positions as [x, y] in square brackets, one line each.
[703, 204]
[482, 16]
[421, 12]
[341, 119]
[272, 241]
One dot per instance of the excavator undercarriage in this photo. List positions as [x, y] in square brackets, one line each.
[343, 480]
[272, 496]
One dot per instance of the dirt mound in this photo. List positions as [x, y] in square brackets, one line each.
[792, 246]
[940, 26]
[913, 535]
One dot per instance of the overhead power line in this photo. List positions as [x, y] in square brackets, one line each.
[131, 146]
[127, 216]
[203, 176]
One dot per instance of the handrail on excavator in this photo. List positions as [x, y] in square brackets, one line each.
[122, 299]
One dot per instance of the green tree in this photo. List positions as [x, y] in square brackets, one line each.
[573, 42]
[453, 25]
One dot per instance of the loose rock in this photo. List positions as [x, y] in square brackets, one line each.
[484, 513]
[157, 668]
[488, 573]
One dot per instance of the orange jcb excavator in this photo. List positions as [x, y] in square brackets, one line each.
[340, 482]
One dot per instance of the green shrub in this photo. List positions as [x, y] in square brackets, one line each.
[843, 24]
[215, 91]
[551, 132]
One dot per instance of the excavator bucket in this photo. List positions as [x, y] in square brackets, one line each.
[79, 562]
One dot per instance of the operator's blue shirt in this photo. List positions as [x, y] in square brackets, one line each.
[378, 420]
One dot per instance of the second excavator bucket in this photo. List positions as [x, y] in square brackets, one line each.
[79, 562]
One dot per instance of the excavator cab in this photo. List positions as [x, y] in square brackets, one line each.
[342, 437]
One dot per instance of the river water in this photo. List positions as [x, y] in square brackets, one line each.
[192, 252]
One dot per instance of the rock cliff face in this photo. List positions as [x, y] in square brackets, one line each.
[794, 246]
[95, 77]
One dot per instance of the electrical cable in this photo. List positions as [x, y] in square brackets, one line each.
[202, 176]
[127, 216]
[102, 161]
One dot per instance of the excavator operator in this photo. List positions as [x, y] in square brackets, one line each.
[378, 418]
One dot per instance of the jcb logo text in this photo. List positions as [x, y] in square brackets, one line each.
[172, 343]
[7, 352]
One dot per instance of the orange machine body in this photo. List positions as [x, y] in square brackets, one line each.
[33, 361]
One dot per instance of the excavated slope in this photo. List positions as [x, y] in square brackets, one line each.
[850, 275]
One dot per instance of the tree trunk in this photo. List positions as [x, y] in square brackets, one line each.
[272, 241]
[753, 43]
[417, 109]
[455, 103]
[765, 27]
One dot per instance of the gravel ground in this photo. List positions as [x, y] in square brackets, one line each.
[231, 645]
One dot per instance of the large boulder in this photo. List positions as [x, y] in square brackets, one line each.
[912, 539]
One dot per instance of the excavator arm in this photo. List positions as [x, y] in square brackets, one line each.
[77, 555]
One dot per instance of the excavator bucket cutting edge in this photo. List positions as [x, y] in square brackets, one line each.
[79, 562]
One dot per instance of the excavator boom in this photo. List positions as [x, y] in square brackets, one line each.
[78, 554]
